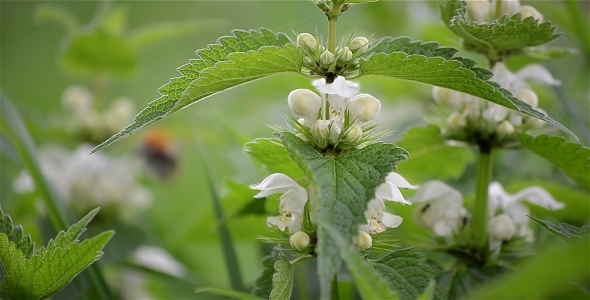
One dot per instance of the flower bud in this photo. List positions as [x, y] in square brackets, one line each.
[478, 10]
[305, 103]
[448, 97]
[363, 107]
[307, 41]
[354, 132]
[505, 129]
[359, 44]
[327, 58]
[320, 131]
[528, 96]
[457, 121]
[363, 240]
[501, 228]
[529, 11]
[344, 54]
[509, 7]
[299, 240]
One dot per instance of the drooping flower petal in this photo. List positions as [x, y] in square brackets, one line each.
[537, 73]
[363, 107]
[391, 221]
[340, 87]
[274, 184]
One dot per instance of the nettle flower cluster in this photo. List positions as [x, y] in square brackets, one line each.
[443, 213]
[474, 120]
[484, 11]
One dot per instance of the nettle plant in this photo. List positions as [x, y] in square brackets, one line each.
[333, 174]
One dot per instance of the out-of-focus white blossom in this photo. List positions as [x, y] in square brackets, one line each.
[482, 11]
[291, 202]
[158, 259]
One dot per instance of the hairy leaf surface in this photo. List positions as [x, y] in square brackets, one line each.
[282, 280]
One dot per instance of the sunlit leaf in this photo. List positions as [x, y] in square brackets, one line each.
[345, 184]
[273, 156]
[15, 234]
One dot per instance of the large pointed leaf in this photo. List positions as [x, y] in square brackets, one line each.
[405, 271]
[573, 159]
[263, 284]
[407, 45]
[282, 280]
[500, 38]
[345, 184]
[457, 74]
[564, 231]
[261, 53]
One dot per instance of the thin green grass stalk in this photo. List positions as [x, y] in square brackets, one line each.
[14, 128]
[229, 254]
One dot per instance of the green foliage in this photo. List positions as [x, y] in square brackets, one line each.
[53, 267]
[571, 158]
[459, 282]
[555, 268]
[407, 45]
[225, 292]
[234, 60]
[430, 156]
[22, 241]
[564, 231]
[282, 279]
[344, 186]
[455, 73]
[405, 271]
[369, 283]
[263, 284]
[273, 156]
[496, 40]
[240, 193]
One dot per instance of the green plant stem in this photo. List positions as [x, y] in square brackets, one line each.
[334, 294]
[231, 261]
[332, 18]
[14, 128]
[479, 222]
[497, 13]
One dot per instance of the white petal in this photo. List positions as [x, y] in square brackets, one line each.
[295, 224]
[436, 189]
[399, 181]
[339, 87]
[305, 103]
[363, 107]
[444, 227]
[277, 222]
[388, 191]
[501, 228]
[273, 184]
[391, 221]
[518, 212]
[538, 196]
[538, 73]
[497, 197]
[503, 76]
[158, 259]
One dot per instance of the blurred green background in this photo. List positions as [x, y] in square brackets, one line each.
[180, 218]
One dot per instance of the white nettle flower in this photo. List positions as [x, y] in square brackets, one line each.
[511, 205]
[483, 11]
[443, 212]
[389, 190]
[377, 219]
[291, 202]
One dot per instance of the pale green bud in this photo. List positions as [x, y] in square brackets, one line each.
[344, 54]
[359, 44]
[478, 10]
[363, 240]
[354, 132]
[327, 58]
[299, 240]
[505, 129]
[529, 11]
[501, 228]
[306, 40]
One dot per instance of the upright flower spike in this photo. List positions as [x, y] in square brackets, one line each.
[291, 202]
[512, 206]
[443, 211]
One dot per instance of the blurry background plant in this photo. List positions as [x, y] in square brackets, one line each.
[39, 64]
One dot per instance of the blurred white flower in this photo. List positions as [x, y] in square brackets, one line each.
[291, 202]
[158, 259]
[482, 11]
[87, 181]
[511, 206]
[443, 212]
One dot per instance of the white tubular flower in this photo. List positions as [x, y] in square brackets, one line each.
[377, 219]
[511, 205]
[291, 202]
[443, 212]
[501, 228]
[363, 108]
[158, 259]
[359, 44]
[478, 10]
[306, 104]
[340, 87]
[389, 190]
[306, 40]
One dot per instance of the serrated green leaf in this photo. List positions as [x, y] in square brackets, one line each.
[282, 279]
[234, 60]
[344, 185]
[430, 156]
[263, 284]
[273, 156]
[571, 158]
[407, 45]
[503, 37]
[22, 241]
[428, 294]
[369, 283]
[49, 271]
[564, 231]
[457, 74]
[458, 283]
[64, 238]
[228, 293]
[405, 271]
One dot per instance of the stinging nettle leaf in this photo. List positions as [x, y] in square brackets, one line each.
[564, 231]
[15, 234]
[234, 60]
[500, 38]
[282, 279]
[344, 184]
[405, 271]
[571, 158]
[263, 284]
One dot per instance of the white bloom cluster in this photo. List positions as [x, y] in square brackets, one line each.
[471, 113]
[89, 181]
[78, 101]
[482, 11]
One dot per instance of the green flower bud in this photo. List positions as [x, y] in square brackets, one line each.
[359, 44]
[308, 41]
[327, 58]
[354, 132]
[299, 240]
[344, 54]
